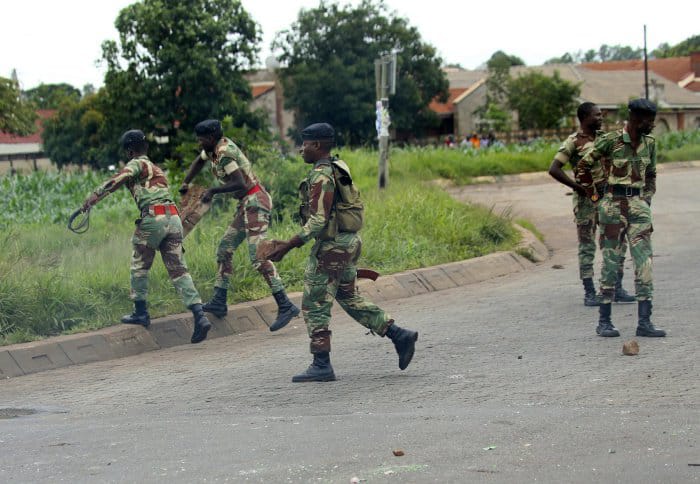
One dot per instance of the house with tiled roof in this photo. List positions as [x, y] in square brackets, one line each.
[24, 153]
[679, 107]
[268, 95]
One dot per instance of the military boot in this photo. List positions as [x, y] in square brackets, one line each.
[605, 326]
[139, 316]
[589, 296]
[217, 306]
[201, 324]
[644, 326]
[320, 368]
[621, 295]
[286, 310]
[404, 342]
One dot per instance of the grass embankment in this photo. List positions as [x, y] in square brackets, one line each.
[54, 281]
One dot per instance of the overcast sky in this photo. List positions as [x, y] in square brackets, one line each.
[54, 41]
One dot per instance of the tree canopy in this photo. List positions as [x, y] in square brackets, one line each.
[52, 96]
[605, 53]
[542, 102]
[687, 47]
[17, 116]
[329, 55]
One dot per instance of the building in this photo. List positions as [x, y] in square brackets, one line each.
[24, 153]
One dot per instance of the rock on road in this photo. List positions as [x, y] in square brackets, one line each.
[509, 384]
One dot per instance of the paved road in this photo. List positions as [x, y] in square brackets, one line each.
[509, 384]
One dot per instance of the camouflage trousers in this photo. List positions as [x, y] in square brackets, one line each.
[586, 218]
[251, 222]
[626, 218]
[331, 273]
[160, 233]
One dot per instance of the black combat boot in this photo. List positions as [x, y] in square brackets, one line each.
[589, 297]
[201, 324]
[217, 306]
[320, 368]
[139, 316]
[605, 327]
[404, 342]
[621, 295]
[286, 310]
[644, 326]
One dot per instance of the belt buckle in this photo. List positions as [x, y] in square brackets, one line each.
[629, 191]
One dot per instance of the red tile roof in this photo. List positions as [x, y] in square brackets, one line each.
[7, 138]
[260, 89]
[447, 107]
[674, 68]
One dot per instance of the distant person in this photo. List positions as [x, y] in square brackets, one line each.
[586, 210]
[475, 141]
[158, 229]
[625, 209]
[250, 222]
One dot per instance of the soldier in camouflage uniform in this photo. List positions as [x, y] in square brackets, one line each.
[629, 158]
[158, 229]
[331, 270]
[585, 210]
[251, 221]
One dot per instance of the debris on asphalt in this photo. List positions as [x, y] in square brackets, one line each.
[490, 447]
[630, 348]
[398, 452]
[557, 266]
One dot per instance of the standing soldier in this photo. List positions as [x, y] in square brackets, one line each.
[629, 156]
[251, 221]
[331, 212]
[585, 209]
[158, 229]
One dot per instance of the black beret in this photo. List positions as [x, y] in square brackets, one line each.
[318, 132]
[131, 138]
[208, 127]
[642, 106]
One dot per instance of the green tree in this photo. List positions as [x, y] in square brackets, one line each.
[500, 59]
[52, 96]
[177, 63]
[74, 134]
[494, 113]
[687, 47]
[329, 53]
[17, 116]
[542, 102]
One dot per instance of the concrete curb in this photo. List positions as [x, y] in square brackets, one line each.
[125, 340]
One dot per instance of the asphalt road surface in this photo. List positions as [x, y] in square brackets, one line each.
[509, 384]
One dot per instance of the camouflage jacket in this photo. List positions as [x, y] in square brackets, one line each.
[572, 150]
[623, 164]
[316, 192]
[227, 158]
[145, 180]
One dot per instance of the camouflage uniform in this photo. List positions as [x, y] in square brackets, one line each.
[585, 210]
[252, 217]
[331, 270]
[163, 232]
[624, 210]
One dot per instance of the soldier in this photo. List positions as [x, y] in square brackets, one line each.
[629, 156]
[251, 221]
[331, 212]
[585, 210]
[158, 229]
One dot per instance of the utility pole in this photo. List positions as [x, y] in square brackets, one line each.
[646, 67]
[385, 83]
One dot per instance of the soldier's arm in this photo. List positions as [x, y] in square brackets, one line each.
[234, 181]
[130, 171]
[557, 172]
[650, 176]
[194, 170]
[583, 170]
[320, 204]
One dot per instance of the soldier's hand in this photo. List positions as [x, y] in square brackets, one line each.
[207, 196]
[184, 188]
[278, 253]
[580, 190]
[89, 202]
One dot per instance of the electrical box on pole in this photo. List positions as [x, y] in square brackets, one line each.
[385, 85]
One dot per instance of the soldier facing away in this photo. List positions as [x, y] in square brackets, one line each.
[250, 222]
[158, 229]
[585, 209]
[629, 159]
[333, 221]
